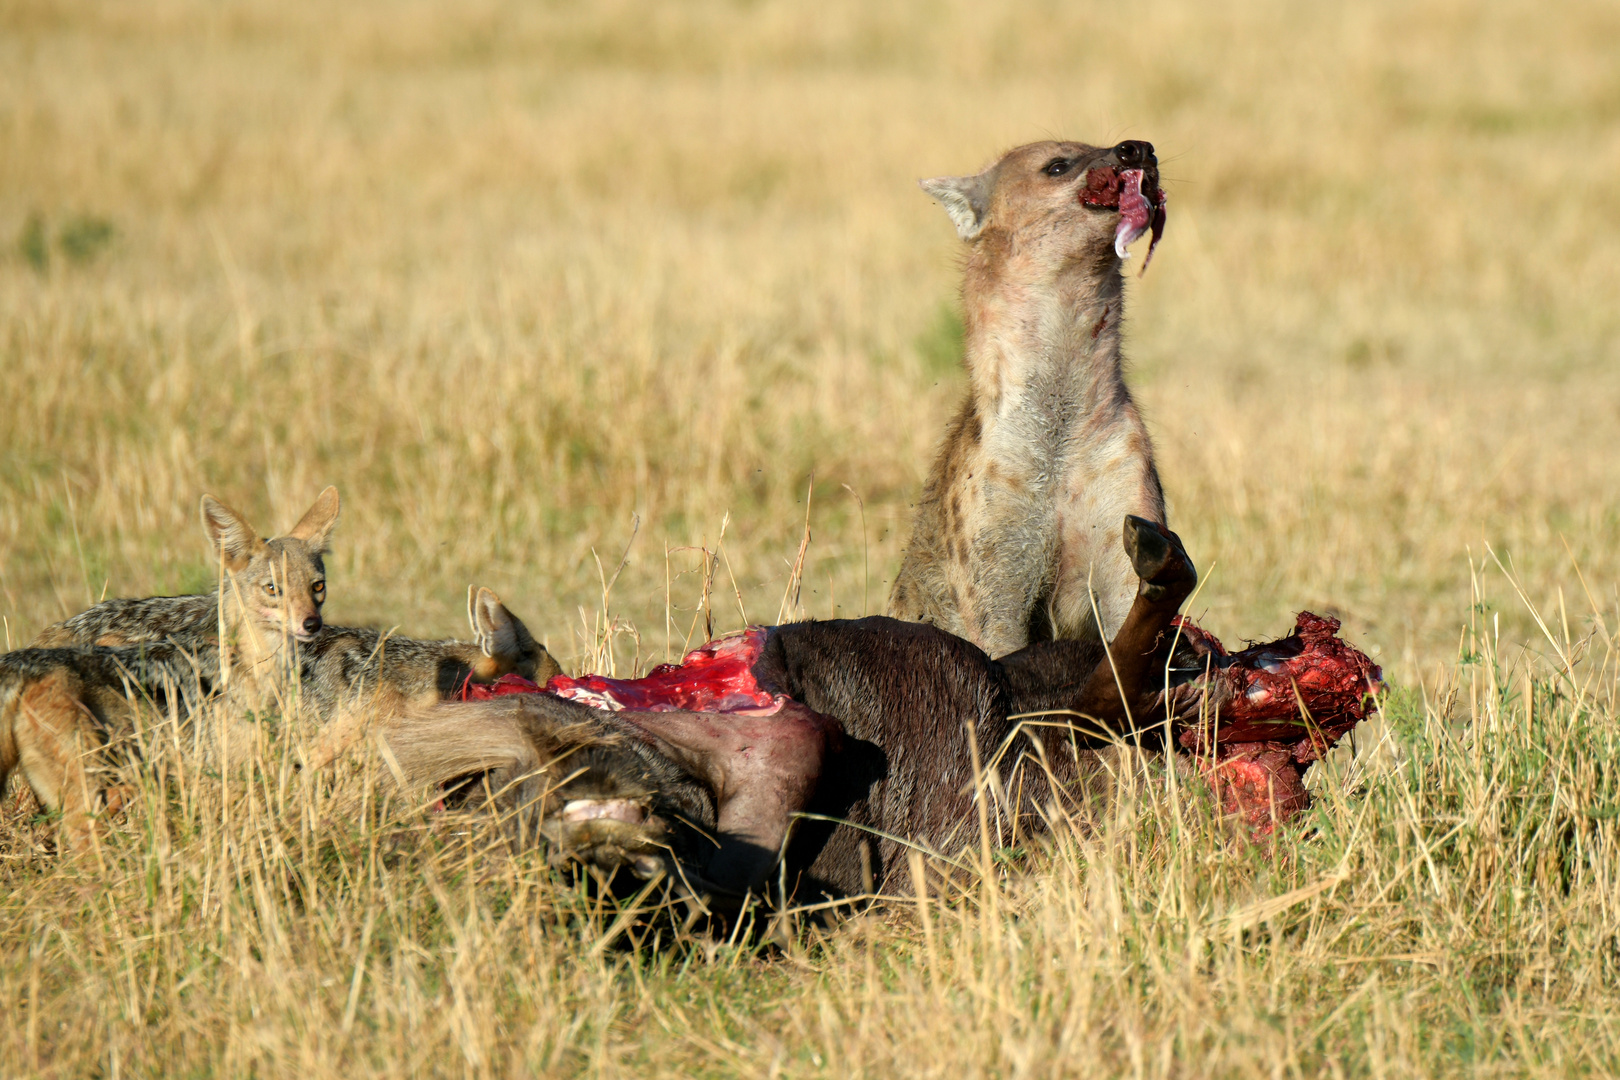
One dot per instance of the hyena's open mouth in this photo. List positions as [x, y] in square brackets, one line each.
[1136, 194]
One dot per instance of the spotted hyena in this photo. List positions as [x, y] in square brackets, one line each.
[1017, 533]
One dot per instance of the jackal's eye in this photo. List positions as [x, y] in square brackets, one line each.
[319, 591]
[271, 589]
[1056, 167]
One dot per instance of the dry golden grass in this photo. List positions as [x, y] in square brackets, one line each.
[514, 275]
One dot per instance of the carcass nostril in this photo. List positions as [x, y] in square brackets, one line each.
[312, 624]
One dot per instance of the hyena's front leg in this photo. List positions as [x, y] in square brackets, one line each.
[1002, 596]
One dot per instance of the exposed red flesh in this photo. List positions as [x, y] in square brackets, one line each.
[1303, 692]
[506, 684]
[1258, 716]
[717, 677]
[1258, 782]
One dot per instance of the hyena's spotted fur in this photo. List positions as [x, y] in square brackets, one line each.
[1017, 531]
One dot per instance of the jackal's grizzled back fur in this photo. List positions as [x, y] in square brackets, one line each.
[190, 621]
[274, 589]
[338, 662]
[359, 662]
[59, 707]
[59, 700]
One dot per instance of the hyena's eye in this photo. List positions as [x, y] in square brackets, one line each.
[1056, 167]
[319, 591]
[271, 589]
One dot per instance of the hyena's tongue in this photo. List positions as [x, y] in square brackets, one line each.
[1135, 214]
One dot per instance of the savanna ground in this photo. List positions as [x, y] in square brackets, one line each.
[518, 276]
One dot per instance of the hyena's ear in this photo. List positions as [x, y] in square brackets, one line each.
[965, 198]
[316, 526]
[230, 534]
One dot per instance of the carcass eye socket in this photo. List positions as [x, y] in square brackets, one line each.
[1056, 167]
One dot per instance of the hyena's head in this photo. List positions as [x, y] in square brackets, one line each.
[274, 586]
[1049, 205]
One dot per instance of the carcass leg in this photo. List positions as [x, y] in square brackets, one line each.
[1136, 655]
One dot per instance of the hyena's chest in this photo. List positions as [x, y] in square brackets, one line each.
[1033, 474]
[1046, 507]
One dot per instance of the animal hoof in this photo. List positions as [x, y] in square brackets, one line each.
[1158, 558]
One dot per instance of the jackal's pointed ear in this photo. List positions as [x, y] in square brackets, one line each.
[965, 198]
[503, 638]
[491, 622]
[316, 526]
[229, 533]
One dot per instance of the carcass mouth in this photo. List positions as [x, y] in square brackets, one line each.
[628, 811]
[1136, 194]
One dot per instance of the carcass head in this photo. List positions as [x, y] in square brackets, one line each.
[704, 798]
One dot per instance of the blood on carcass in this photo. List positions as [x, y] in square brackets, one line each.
[717, 677]
[1257, 716]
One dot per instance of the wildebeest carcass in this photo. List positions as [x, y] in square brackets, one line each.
[834, 746]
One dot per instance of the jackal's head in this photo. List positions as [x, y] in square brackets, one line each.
[506, 643]
[1049, 204]
[274, 587]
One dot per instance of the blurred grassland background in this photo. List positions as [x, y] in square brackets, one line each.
[515, 275]
[509, 275]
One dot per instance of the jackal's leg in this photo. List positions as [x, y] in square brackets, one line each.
[1136, 655]
[54, 734]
